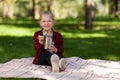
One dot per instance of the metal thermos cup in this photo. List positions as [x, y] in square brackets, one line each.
[48, 41]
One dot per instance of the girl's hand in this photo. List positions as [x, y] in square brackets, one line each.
[41, 39]
[52, 48]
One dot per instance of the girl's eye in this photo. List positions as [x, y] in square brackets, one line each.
[49, 21]
[43, 21]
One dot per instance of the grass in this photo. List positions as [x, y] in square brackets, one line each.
[98, 45]
[103, 42]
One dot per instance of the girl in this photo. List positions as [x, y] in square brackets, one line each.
[53, 56]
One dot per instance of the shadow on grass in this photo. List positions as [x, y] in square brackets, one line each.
[15, 47]
[98, 47]
[89, 48]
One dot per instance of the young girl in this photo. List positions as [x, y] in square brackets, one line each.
[53, 56]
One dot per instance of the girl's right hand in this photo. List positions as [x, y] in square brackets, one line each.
[41, 39]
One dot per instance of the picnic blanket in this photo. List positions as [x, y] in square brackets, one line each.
[77, 69]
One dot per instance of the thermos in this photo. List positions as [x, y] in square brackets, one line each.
[48, 41]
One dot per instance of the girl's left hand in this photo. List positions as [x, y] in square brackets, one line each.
[52, 48]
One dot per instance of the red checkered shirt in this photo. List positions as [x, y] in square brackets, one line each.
[39, 48]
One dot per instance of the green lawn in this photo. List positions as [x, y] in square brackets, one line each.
[103, 42]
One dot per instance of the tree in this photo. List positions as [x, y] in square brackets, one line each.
[89, 14]
[35, 9]
[8, 10]
[106, 4]
[49, 3]
[116, 13]
[107, 7]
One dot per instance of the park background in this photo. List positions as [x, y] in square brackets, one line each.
[91, 28]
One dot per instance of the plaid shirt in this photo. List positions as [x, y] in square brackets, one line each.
[39, 48]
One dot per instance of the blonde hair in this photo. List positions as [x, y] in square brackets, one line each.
[47, 13]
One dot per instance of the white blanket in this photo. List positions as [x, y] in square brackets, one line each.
[77, 69]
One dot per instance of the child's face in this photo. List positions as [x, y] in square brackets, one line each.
[46, 22]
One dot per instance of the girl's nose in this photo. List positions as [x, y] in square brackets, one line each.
[46, 24]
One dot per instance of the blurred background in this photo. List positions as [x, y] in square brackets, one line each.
[91, 28]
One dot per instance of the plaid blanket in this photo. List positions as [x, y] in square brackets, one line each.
[77, 69]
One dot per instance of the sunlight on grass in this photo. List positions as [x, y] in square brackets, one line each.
[84, 35]
[111, 57]
[107, 22]
[16, 31]
[23, 31]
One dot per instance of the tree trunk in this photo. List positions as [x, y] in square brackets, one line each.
[89, 15]
[116, 13]
[5, 11]
[10, 8]
[35, 9]
[107, 7]
[93, 9]
[49, 3]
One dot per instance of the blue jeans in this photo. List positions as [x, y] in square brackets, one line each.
[44, 59]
